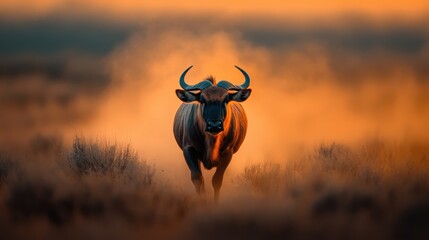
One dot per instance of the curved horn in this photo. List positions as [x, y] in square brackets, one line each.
[228, 85]
[200, 86]
[182, 79]
[247, 78]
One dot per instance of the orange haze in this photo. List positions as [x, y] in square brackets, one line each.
[288, 111]
[136, 9]
[311, 89]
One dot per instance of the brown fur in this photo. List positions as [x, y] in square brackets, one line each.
[189, 128]
[214, 94]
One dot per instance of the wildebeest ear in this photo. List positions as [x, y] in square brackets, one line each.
[241, 95]
[186, 96]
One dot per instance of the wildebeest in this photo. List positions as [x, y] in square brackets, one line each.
[210, 126]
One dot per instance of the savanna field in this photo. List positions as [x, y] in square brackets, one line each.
[97, 189]
[337, 145]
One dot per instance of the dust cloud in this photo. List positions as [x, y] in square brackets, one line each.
[297, 103]
[337, 121]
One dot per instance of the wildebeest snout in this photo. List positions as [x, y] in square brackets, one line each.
[214, 126]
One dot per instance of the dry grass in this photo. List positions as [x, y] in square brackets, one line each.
[99, 190]
[94, 184]
[103, 158]
[373, 191]
[4, 168]
[261, 177]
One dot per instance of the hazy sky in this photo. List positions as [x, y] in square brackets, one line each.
[136, 8]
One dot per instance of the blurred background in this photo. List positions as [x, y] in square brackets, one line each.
[321, 71]
[337, 143]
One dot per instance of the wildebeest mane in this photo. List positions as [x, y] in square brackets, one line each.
[211, 79]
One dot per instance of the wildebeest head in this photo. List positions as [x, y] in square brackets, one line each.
[214, 98]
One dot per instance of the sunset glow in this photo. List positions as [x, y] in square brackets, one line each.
[337, 117]
[136, 9]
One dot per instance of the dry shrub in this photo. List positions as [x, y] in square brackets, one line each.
[377, 190]
[102, 158]
[374, 163]
[93, 185]
[5, 166]
[261, 177]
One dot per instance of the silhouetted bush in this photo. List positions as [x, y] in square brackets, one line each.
[261, 177]
[101, 190]
[104, 158]
[6, 166]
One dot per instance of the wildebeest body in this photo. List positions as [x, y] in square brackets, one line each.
[189, 131]
[210, 126]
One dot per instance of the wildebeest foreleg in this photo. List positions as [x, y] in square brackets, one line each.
[195, 167]
[218, 176]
